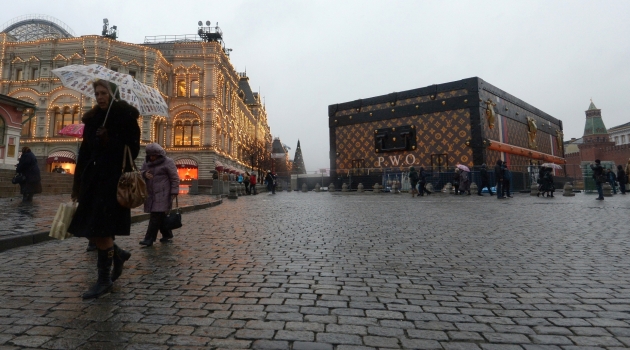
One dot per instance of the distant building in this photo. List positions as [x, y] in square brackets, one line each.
[612, 148]
[281, 164]
[215, 118]
[12, 112]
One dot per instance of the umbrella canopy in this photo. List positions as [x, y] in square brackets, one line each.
[463, 167]
[80, 78]
[551, 165]
[74, 130]
[218, 166]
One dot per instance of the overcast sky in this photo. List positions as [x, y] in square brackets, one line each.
[306, 55]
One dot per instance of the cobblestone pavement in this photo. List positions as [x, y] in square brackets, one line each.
[321, 271]
[19, 218]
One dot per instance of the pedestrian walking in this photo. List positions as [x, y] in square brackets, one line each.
[485, 181]
[464, 182]
[160, 174]
[252, 184]
[612, 180]
[422, 182]
[547, 186]
[27, 167]
[498, 177]
[99, 216]
[507, 181]
[270, 181]
[598, 176]
[413, 180]
[239, 178]
[246, 182]
[456, 179]
[621, 178]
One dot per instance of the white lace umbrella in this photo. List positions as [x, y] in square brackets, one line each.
[80, 78]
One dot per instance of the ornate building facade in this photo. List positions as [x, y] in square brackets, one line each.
[215, 118]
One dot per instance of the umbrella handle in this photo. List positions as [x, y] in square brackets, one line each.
[110, 105]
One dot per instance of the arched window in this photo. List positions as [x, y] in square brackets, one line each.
[187, 132]
[64, 117]
[181, 88]
[194, 88]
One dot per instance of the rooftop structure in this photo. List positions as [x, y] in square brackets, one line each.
[36, 27]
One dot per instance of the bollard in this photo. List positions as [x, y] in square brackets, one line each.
[377, 188]
[360, 188]
[304, 187]
[317, 188]
[534, 190]
[429, 187]
[568, 190]
[448, 188]
[289, 189]
[344, 187]
[232, 194]
[473, 188]
[331, 187]
[607, 189]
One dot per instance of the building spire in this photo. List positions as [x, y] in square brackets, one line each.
[594, 122]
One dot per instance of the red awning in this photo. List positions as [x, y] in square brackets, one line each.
[218, 166]
[61, 157]
[186, 163]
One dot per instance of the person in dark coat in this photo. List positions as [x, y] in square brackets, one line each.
[485, 181]
[413, 180]
[498, 177]
[422, 182]
[246, 182]
[160, 174]
[621, 178]
[270, 180]
[612, 180]
[599, 177]
[99, 217]
[27, 166]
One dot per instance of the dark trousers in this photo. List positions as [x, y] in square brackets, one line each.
[246, 187]
[252, 188]
[600, 190]
[622, 187]
[499, 189]
[484, 184]
[506, 188]
[156, 221]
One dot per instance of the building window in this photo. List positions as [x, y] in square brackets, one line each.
[132, 73]
[181, 88]
[65, 117]
[623, 139]
[194, 88]
[616, 140]
[115, 69]
[19, 74]
[34, 74]
[159, 127]
[187, 133]
[27, 126]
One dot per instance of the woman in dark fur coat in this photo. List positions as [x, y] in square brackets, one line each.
[99, 217]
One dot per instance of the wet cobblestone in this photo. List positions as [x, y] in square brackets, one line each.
[322, 271]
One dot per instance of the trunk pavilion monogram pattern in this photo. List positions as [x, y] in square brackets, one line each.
[436, 133]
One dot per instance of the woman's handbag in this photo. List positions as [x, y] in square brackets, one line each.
[18, 179]
[174, 219]
[61, 222]
[132, 190]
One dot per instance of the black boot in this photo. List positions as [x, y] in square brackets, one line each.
[167, 235]
[90, 247]
[147, 242]
[120, 256]
[104, 282]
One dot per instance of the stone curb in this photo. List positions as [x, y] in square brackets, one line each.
[38, 237]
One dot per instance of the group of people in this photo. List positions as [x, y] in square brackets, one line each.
[602, 176]
[418, 180]
[249, 180]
